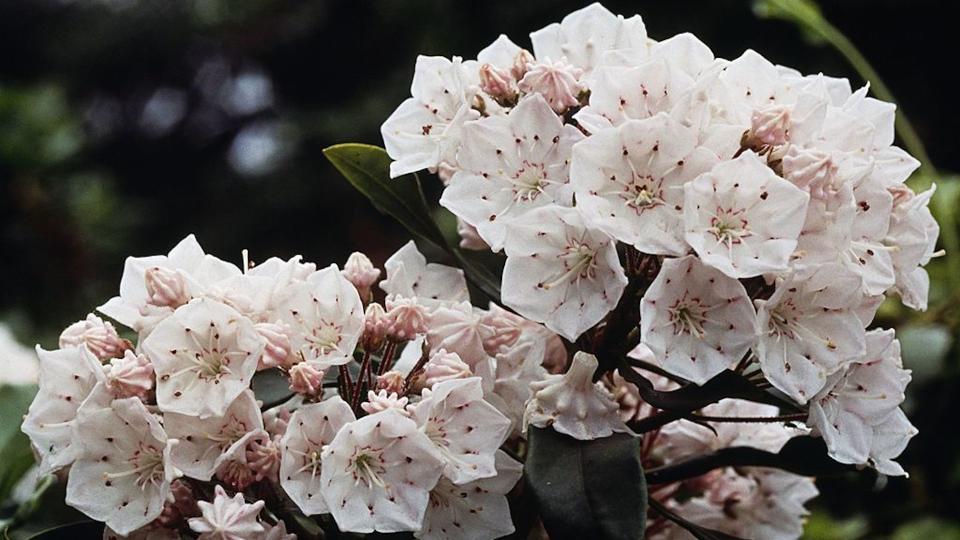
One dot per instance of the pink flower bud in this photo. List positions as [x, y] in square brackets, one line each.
[901, 194]
[393, 382]
[406, 319]
[770, 125]
[445, 366]
[381, 401]
[99, 336]
[130, 376]
[361, 272]
[166, 288]
[275, 421]
[558, 83]
[375, 325]
[810, 170]
[520, 64]
[263, 458]
[276, 352]
[306, 380]
[498, 84]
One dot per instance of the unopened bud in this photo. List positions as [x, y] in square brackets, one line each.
[381, 401]
[558, 83]
[306, 380]
[406, 319]
[263, 458]
[165, 287]
[770, 126]
[520, 64]
[445, 366]
[276, 351]
[810, 170]
[361, 272]
[99, 336]
[498, 84]
[375, 324]
[130, 376]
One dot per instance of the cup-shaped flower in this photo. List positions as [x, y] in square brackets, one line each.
[309, 429]
[228, 518]
[743, 219]
[466, 430]
[203, 441]
[582, 37]
[204, 356]
[629, 181]
[122, 471]
[696, 320]
[509, 165]
[377, 474]
[409, 275]
[325, 317]
[561, 272]
[67, 377]
[573, 404]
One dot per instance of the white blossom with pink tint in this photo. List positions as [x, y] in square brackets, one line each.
[510, 165]
[573, 404]
[204, 355]
[67, 377]
[409, 275]
[560, 272]
[277, 351]
[465, 429]
[558, 82]
[130, 376]
[696, 320]
[306, 380]
[444, 366]
[381, 401]
[310, 429]
[743, 219]
[360, 271]
[122, 471]
[377, 474]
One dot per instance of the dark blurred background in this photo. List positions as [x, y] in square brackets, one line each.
[125, 125]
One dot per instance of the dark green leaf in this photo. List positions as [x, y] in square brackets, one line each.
[15, 454]
[271, 387]
[587, 489]
[367, 168]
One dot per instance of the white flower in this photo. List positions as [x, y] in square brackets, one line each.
[696, 321]
[890, 439]
[517, 369]
[558, 82]
[141, 305]
[99, 336]
[122, 470]
[203, 441]
[856, 400]
[409, 275]
[423, 133]
[377, 474]
[476, 510]
[130, 376]
[586, 34]
[465, 429]
[204, 356]
[67, 377]
[807, 330]
[325, 317]
[573, 404]
[227, 518]
[310, 428]
[559, 272]
[913, 232]
[743, 219]
[629, 181]
[509, 165]
[444, 366]
[458, 328]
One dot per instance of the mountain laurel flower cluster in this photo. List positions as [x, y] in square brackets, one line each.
[693, 250]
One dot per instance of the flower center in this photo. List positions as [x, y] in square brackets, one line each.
[729, 227]
[324, 338]
[367, 466]
[642, 193]
[529, 183]
[146, 466]
[687, 315]
[579, 262]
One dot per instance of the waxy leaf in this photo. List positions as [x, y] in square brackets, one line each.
[587, 489]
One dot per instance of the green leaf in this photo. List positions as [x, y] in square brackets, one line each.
[79, 530]
[271, 387]
[587, 489]
[367, 168]
[15, 454]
